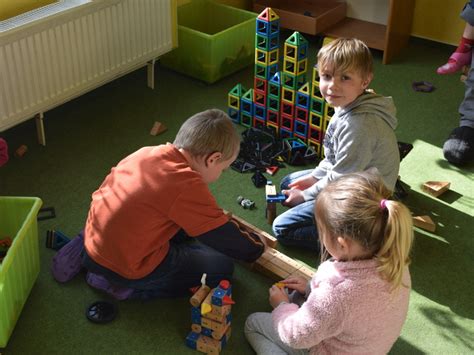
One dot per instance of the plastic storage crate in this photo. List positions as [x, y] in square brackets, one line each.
[20, 267]
[214, 40]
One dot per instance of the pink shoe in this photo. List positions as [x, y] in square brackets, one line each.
[455, 63]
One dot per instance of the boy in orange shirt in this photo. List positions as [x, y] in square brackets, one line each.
[154, 227]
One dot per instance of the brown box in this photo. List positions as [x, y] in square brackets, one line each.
[305, 16]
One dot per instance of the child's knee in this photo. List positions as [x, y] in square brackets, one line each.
[277, 226]
[253, 322]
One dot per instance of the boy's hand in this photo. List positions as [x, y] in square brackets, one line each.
[296, 283]
[303, 182]
[276, 295]
[293, 197]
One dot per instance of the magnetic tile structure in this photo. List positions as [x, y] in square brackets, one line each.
[281, 99]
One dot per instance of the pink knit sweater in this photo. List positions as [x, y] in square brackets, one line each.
[350, 310]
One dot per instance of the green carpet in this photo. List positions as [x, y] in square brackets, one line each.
[90, 134]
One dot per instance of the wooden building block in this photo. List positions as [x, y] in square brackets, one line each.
[271, 212]
[270, 190]
[21, 151]
[304, 272]
[208, 345]
[218, 334]
[286, 263]
[199, 296]
[279, 266]
[424, 222]
[436, 188]
[272, 271]
[215, 317]
[157, 128]
[196, 328]
[220, 311]
[213, 325]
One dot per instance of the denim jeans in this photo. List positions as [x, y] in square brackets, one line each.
[181, 270]
[296, 226]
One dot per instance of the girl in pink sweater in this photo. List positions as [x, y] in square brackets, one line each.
[357, 301]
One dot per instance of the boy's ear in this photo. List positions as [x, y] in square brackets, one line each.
[368, 80]
[214, 157]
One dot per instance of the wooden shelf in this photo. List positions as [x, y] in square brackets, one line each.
[371, 33]
[318, 16]
[305, 16]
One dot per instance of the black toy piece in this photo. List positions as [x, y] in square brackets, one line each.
[259, 180]
[101, 312]
[56, 239]
[46, 213]
[422, 86]
[401, 189]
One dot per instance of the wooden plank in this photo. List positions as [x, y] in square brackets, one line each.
[279, 266]
[400, 19]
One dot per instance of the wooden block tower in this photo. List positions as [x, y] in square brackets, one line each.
[281, 100]
[211, 318]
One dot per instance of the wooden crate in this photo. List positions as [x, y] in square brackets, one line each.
[310, 17]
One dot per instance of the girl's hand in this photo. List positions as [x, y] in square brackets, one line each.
[293, 197]
[296, 283]
[276, 295]
[303, 182]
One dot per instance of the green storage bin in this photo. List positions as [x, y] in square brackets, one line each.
[214, 40]
[20, 267]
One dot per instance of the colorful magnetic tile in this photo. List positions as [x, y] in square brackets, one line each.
[317, 106]
[301, 114]
[268, 15]
[287, 109]
[273, 117]
[260, 85]
[285, 133]
[234, 115]
[286, 122]
[273, 103]
[233, 102]
[315, 120]
[272, 69]
[288, 95]
[258, 123]
[315, 134]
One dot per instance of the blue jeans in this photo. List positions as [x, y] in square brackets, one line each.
[181, 270]
[296, 226]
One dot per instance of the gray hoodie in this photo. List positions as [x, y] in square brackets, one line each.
[359, 137]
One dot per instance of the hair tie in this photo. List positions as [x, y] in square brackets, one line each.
[383, 204]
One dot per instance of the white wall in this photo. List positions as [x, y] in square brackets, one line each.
[369, 10]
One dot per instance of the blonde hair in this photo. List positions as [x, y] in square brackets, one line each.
[208, 132]
[346, 54]
[355, 206]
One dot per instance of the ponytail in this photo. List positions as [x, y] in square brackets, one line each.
[394, 253]
[355, 206]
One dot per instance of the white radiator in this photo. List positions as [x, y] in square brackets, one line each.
[54, 54]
